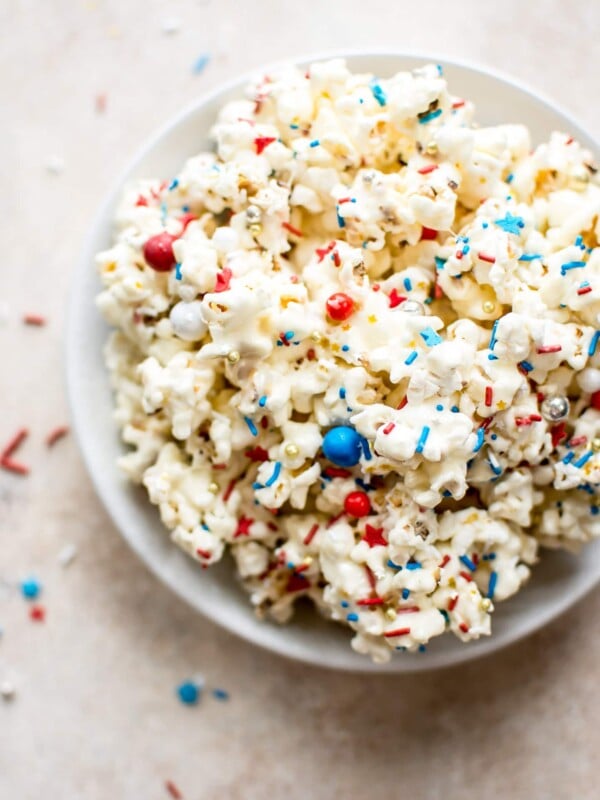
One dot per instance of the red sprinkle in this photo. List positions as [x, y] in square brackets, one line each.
[333, 520]
[397, 632]
[100, 103]
[444, 561]
[56, 434]
[337, 472]
[426, 170]
[263, 141]
[357, 504]
[173, 790]
[243, 527]
[310, 354]
[485, 257]
[373, 536]
[458, 103]
[395, 298]
[371, 578]
[141, 201]
[584, 290]
[466, 576]
[464, 627]
[229, 490]
[388, 428]
[257, 454]
[489, 396]
[223, 280]
[336, 258]
[408, 610]
[311, 534]
[14, 466]
[323, 251]
[203, 553]
[459, 254]
[428, 234]
[403, 402]
[549, 348]
[34, 319]
[296, 583]
[14, 443]
[371, 601]
[577, 441]
[185, 220]
[595, 400]
[291, 229]
[558, 432]
[570, 140]
[452, 603]
[340, 306]
[37, 613]
[158, 252]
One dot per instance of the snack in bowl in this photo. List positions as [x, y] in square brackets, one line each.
[357, 347]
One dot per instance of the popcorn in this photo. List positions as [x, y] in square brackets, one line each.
[361, 294]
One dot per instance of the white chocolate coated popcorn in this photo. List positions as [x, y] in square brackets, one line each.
[335, 337]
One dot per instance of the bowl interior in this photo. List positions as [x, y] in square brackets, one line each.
[558, 581]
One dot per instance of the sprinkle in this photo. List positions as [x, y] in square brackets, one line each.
[371, 601]
[463, 627]
[593, 343]
[480, 440]
[405, 594]
[492, 585]
[100, 102]
[292, 229]
[314, 143]
[229, 490]
[274, 475]
[529, 256]
[445, 560]
[263, 141]
[188, 692]
[243, 527]
[492, 343]
[34, 319]
[577, 441]
[458, 103]
[378, 93]
[452, 603]
[200, 64]
[494, 465]
[37, 613]
[584, 290]
[262, 401]
[388, 428]
[14, 443]
[412, 565]
[485, 257]
[391, 565]
[173, 790]
[430, 116]
[311, 534]
[569, 457]
[468, 563]
[407, 284]
[408, 609]
[397, 631]
[526, 366]
[340, 220]
[373, 536]
[31, 588]
[178, 275]
[56, 434]
[251, 426]
[395, 299]
[489, 396]
[422, 439]
[426, 171]
[352, 617]
[510, 224]
[571, 265]
[411, 357]
[549, 348]
[67, 555]
[220, 694]
[584, 459]
[439, 262]
[430, 337]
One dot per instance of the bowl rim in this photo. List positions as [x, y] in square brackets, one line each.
[86, 446]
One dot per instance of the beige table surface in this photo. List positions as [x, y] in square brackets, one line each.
[94, 716]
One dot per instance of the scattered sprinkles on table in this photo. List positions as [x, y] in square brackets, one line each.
[356, 346]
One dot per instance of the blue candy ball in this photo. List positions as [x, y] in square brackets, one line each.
[342, 446]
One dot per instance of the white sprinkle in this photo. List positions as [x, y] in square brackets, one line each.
[7, 690]
[67, 555]
[171, 25]
[55, 165]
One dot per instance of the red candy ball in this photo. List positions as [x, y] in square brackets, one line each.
[339, 306]
[158, 252]
[595, 401]
[357, 504]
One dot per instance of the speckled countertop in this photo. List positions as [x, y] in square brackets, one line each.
[95, 715]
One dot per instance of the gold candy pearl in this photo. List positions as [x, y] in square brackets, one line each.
[489, 306]
[390, 613]
[255, 228]
[213, 487]
[486, 604]
[233, 357]
[291, 450]
[431, 148]
[596, 445]
[316, 337]
[308, 561]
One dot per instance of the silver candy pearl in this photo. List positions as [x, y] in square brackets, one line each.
[412, 307]
[555, 407]
[253, 214]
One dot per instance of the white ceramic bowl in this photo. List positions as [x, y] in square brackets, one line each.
[558, 581]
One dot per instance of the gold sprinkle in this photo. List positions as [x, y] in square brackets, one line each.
[372, 318]
[233, 357]
[501, 405]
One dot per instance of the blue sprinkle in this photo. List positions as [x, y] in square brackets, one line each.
[31, 588]
[257, 486]
[494, 436]
[422, 439]
[291, 565]
[440, 69]
[163, 212]
[510, 178]
[579, 241]
[188, 692]
[529, 256]
[314, 143]
[439, 407]
[445, 615]
[263, 401]
[173, 185]
[569, 457]
[492, 357]
[571, 265]
[365, 448]
[275, 475]
[468, 563]
[466, 249]
[495, 467]
[428, 117]
[439, 262]
[391, 564]
[405, 594]
[446, 493]
[200, 64]
[220, 694]
[345, 348]
[344, 604]
[584, 459]
[485, 225]
[352, 617]
[586, 488]
[407, 284]
[288, 335]
[422, 648]
[492, 584]
[340, 220]
[510, 224]
[251, 426]
[526, 366]
[378, 93]
[594, 510]
[412, 565]
[430, 337]
[342, 393]
[178, 275]
[455, 409]
[185, 209]
[411, 357]
[593, 343]
[480, 440]
[492, 343]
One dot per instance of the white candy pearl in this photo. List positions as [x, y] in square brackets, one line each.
[187, 322]
[589, 380]
[225, 239]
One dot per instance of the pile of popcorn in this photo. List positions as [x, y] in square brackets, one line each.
[356, 346]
